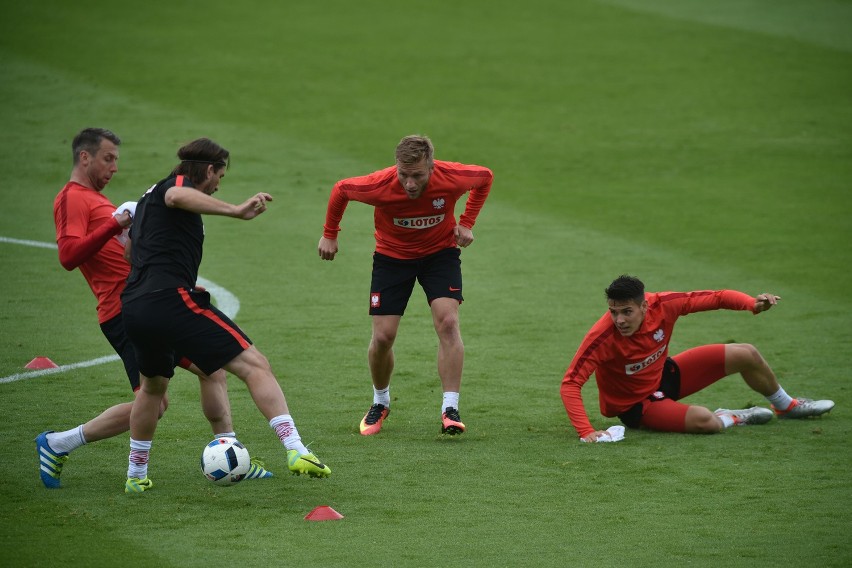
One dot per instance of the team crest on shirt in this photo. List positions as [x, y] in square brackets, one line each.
[438, 203]
[375, 299]
[659, 335]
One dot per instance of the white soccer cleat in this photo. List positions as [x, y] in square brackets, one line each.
[805, 408]
[748, 416]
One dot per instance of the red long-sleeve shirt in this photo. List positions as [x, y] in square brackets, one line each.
[412, 228]
[85, 229]
[629, 369]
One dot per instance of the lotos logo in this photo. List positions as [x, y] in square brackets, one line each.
[438, 203]
[633, 368]
[419, 222]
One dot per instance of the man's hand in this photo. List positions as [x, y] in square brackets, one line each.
[464, 236]
[253, 206]
[593, 437]
[124, 218]
[765, 301]
[327, 248]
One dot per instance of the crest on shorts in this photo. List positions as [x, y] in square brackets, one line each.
[375, 299]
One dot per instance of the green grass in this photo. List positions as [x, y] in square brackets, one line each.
[696, 147]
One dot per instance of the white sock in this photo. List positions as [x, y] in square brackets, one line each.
[285, 428]
[382, 396]
[138, 461]
[66, 441]
[780, 400]
[226, 435]
[451, 400]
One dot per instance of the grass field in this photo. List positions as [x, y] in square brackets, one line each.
[696, 145]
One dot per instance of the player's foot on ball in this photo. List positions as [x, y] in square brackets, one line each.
[306, 463]
[257, 471]
[49, 462]
[451, 422]
[753, 415]
[372, 421]
[805, 408]
[136, 485]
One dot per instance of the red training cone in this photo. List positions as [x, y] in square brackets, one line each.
[323, 513]
[41, 363]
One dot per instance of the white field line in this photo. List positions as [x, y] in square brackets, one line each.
[225, 301]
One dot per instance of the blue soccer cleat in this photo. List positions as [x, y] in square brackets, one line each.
[50, 462]
[257, 471]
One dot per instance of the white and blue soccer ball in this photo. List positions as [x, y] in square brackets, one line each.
[225, 461]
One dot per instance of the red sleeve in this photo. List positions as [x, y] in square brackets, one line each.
[74, 251]
[705, 300]
[476, 200]
[337, 203]
[585, 362]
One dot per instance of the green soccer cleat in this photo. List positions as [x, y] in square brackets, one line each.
[257, 471]
[306, 463]
[136, 485]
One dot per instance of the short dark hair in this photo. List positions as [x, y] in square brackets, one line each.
[626, 288]
[414, 148]
[89, 140]
[195, 156]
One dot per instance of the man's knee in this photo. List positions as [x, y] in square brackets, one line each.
[742, 356]
[700, 420]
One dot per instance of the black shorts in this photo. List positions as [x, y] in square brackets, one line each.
[393, 280]
[113, 330]
[669, 388]
[167, 322]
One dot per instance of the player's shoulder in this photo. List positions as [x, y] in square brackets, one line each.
[602, 330]
[660, 298]
[465, 170]
[368, 182]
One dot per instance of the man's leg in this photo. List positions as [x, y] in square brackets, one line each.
[704, 365]
[214, 399]
[746, 360]
[381, 360]
[143, 423]
[253, 368]
[445, 316]
[380, 353]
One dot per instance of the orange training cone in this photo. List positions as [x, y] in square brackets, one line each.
[41, 363]
[323, 513]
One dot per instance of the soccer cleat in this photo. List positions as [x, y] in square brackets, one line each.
[372, 421]
[257, 471]
[136, 485]
[753, 415]
[50, 462]
[805, 408]
[306, 463]
[451, 423]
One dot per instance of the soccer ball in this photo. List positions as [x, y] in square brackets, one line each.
[225, 461]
